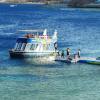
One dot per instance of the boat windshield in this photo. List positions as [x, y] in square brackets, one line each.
[20, 46]
[33, 46]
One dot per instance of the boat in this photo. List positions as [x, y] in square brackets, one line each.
[13, 5]
[35, 44]
[94, 61]
[86, 60]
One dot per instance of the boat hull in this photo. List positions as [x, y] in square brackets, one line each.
[89, 60]
[94, 62]
[15, 54]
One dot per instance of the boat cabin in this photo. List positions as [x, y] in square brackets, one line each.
[30, 42]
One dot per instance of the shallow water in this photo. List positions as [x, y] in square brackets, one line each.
[23, 79]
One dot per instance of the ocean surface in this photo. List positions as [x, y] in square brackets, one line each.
[23, 79]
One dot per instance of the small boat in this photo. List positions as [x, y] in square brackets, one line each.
[35, 45]
[13, 5]
[94, 61]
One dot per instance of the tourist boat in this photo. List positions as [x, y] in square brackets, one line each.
[35, 45]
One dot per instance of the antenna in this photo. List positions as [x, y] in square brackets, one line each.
[45, 32]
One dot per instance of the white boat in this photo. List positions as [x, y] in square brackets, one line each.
[35, 45]
[13, 5]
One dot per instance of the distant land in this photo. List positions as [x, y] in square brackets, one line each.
[69, 3]
[84, 3]
[31, 1]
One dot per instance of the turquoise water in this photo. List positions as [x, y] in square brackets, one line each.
[23, 79]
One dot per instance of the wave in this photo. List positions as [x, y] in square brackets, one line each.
[6, 26]
[6, 34]
[68, 9]
[7, 29]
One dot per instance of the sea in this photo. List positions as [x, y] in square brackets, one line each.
[24, 79]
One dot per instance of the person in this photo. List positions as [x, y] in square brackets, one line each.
[27, 35]
[68, 53]
[75, 58]
[58, 54]
[62, 54]
[78, 53]
[55, 46]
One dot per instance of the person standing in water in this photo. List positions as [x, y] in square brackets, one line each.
[68, 53]
[77, 56]
[78, 53]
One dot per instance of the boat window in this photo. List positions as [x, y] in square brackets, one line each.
[19, 46]
[27, 46]
[36, 45]
[44, 46]
[48, 45]
[23, 46]
[16, 46]
[32, 47]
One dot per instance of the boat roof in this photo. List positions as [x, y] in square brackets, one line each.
[27, 40]
[34, 31]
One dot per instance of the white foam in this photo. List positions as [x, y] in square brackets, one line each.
[2, 33]
[6, 26]
[67, 9]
